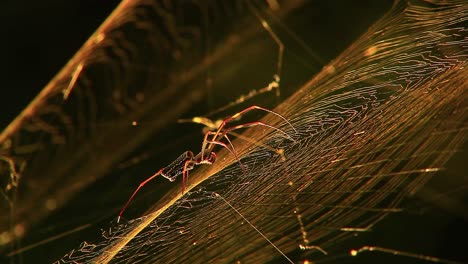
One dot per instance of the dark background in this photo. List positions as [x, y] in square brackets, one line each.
[38, 38]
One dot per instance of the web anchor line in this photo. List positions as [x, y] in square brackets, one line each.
[273, 85]
[256, 229]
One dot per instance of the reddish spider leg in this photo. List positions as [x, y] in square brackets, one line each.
[169, 172]
[187, 161]
[208, 145]
[182, 165]
[216, 134]
[225, 132]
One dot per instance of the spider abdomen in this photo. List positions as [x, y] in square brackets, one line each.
[176, 168]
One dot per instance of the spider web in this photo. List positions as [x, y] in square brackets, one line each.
[370, 129]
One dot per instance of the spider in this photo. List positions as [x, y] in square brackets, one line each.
[188, 160]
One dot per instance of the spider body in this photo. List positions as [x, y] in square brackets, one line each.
[184, 163]
[187, 161]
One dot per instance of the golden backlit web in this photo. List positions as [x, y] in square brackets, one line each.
[370, 129]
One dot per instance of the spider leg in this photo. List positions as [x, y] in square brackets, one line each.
[233, 152]
[185, 173]
[136, 191]
[208, 145]
[239, 114]
[199, 160]
[218, 142]
[204, 144]
[257, 123]
[256, 107]
[214, 141]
